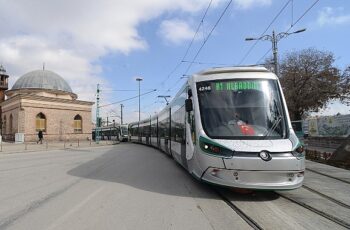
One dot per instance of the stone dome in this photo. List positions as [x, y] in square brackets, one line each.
[42, 79]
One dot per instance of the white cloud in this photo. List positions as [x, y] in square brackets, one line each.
[176, 31]
[71, 36]
[246, 4]
[332, 16]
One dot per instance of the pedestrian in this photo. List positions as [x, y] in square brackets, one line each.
[40, 136]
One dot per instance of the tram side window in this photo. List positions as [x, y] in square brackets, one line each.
[154, 128]
[178, 126]
[162, 129]
[146, 130]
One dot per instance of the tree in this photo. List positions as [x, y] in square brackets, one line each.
[309, 80]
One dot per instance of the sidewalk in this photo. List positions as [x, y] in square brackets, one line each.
[6, 147]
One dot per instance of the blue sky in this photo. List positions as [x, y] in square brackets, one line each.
[113, 42]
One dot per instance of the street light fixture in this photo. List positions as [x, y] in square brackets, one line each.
[165, 98]
[275, 39]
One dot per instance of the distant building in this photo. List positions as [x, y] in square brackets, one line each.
[43, 100]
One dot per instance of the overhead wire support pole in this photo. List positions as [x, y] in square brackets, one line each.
[275, 39]
[121, 113]
[97, 129]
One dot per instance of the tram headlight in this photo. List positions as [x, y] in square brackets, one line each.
[213, 148]
[299, 152]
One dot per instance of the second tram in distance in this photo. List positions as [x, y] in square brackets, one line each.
[230, 127]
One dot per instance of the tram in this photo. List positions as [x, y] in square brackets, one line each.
[229, 127]
[107, 133]
[123, 132]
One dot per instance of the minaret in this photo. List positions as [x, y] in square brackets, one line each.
[3, 87]
[3, 83]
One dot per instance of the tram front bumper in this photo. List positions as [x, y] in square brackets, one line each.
[265, 180]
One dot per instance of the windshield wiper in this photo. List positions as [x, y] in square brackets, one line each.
[277, 121]
[273, 127]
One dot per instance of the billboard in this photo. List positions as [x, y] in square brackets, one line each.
[330, 126]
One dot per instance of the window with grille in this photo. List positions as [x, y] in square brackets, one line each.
[40, 122]
[78, 124]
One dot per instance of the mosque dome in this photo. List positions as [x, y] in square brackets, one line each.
[42, 79]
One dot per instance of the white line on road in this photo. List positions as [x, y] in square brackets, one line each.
[74, 209]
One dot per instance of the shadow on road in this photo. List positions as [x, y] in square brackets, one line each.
[148, 169]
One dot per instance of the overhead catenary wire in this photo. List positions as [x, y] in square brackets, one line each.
[117, 102]
[266, 29]
[190, 44]
[207, 38]
[201, 47]
[292, 25]
[205, 63]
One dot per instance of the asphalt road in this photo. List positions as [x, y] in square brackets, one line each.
[126, 186]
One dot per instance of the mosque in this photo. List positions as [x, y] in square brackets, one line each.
[42, 100]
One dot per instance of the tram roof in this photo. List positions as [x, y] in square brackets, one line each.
[234, 69]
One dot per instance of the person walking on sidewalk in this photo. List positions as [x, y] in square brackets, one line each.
[40, 136]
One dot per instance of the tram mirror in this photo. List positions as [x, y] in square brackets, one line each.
[188, 105]
[189, 93]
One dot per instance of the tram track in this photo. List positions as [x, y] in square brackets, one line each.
[324, 174]
[239, 211]
[327, 197]
[317, 211]
[255, 225]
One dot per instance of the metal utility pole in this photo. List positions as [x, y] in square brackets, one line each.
[165, 98]
[139, 79]
[121, 113]
[97, 133]
[275, 39]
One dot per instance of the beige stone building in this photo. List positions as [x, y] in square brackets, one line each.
[43, 100]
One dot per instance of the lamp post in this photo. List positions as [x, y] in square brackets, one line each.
[275, 39]
[139, 79]
[165, 98]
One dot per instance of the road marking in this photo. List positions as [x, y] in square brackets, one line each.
[73, 210]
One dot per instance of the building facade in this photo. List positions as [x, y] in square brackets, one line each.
[43, 100]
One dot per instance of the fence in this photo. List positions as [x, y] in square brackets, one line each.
[52, 145]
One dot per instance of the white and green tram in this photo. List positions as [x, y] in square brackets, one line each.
[230, 127]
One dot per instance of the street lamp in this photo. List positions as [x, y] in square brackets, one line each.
[139, 79]
[275, 39]
[165, 98]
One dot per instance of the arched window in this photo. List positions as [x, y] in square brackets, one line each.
[78, 124]
[40, 122]
[4, 125]
[11, 124]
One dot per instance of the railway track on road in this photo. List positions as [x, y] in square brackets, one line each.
[324, 174]
[317, 211]
[239, 211]
[255, 216]
[327, 197]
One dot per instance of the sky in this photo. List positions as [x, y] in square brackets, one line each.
[112, 42]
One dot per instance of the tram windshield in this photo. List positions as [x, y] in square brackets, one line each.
[241, 109]
[124, 130]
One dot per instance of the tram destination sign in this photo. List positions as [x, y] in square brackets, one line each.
[229, 86]
[237, 85]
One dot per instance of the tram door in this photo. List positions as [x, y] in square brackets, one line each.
[190, 131]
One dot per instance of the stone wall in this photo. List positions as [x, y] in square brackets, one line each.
[59, 124]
